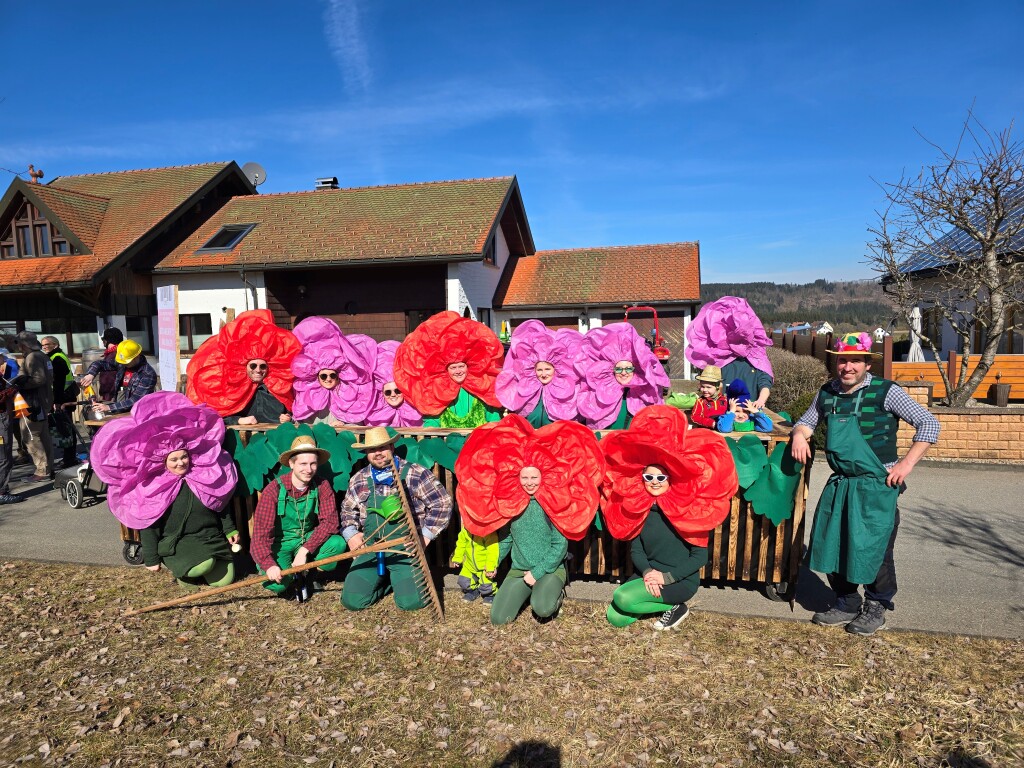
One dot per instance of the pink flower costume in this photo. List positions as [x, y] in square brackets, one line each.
[521, 391]
[326, 351]
[724, 331]
[607, 400]
[383, 413]
[128, 455]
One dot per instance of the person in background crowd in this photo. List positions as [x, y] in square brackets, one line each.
[65, 394]
[7, 393]
[135, 377]
[35, 382]
[712, 402]
[9, 369]
[106, 383]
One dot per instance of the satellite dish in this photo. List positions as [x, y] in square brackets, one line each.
[254, 172]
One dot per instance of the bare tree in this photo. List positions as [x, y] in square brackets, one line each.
[951, 239]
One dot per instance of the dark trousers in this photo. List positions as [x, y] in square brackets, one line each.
[6, 452]
[882, 589]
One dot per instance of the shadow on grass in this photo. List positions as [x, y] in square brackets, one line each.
[531, 754]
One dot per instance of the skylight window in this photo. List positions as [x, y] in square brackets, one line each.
[226, 238]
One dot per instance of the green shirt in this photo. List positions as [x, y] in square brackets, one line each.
[536, 545]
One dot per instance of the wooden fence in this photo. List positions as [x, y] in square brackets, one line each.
[1009, 369]
[817, 346]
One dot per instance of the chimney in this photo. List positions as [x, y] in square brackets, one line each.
[328, 182]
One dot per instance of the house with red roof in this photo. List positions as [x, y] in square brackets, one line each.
[584, 288]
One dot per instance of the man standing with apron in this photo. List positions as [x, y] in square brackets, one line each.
[856, 520]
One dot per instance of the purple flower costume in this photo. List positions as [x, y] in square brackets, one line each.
[518, 387]
[352, 357]
[600, 398]
[129, 455]
[382, 414]
[725, 330]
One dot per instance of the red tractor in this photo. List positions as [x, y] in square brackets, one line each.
[657, 341]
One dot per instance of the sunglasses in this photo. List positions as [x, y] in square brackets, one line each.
[258, 366]
[392, 392]
[627, 369]
[328, 376]
[654, 478]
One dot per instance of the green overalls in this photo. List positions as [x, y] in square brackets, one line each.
[467, 412]
[296, 521]
[857, 510]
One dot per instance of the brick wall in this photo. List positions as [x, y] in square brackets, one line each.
[971, 434]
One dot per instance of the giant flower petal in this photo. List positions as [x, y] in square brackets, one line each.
[422, 360]
[702, 475]
[353, 357]
[518, 387]
[725, 330]
[217, 372]
[128, 454]
[381, 414]
[568, 457]
[600, 395]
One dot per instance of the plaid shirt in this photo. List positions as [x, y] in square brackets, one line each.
[431, 503]
[265, 515]
[897, 402]
[141, 383]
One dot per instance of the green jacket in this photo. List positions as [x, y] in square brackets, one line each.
[536, 545]
[187, 534]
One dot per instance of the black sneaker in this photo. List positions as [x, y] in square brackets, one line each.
[470, 595]
[870, 620]
[10, 498]
[834, 617]
[673, 617]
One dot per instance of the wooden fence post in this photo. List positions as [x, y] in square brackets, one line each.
[887, 357]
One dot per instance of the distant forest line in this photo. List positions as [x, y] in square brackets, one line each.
[845, 305]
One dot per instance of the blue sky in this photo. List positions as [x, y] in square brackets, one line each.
[757, 130]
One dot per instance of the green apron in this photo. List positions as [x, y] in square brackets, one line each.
[857, 510]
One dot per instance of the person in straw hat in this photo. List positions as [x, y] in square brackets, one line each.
[372, 511]
[296, 519]
[712, 403]
[857, 518]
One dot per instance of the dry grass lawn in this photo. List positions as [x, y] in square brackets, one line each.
[265, 682]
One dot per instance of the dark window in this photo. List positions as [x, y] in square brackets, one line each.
[43, 235]
[61, 246]
[483, 314]
[226, 238]
[490, 257]
[25, 240]
[75, 334]
[137, 329]
[31, 234]
[193, 330]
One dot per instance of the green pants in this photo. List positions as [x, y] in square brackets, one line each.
[335, 545]
[213, 573]
[545, 596]
[402, 575]
[631, 601]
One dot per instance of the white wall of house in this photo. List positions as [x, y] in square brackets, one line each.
[472, 283]
[211, 294]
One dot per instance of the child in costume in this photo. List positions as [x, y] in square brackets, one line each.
[666, 487]
[619, 375]
[388, 405]
[728, 333]
[447, 367]
[743, 415]
[538, 380]
[169, 477]
[712, 403]
[476, 557]
[244, 372]
[333, 374]
[537, 488]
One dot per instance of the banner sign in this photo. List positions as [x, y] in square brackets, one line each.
[167, 335]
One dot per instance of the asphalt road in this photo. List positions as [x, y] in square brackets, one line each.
[959, 553]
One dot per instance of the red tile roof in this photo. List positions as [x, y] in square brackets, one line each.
[108, 212]
[364, 224]
[641, 274]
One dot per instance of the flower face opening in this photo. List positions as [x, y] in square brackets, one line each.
[328, 378]
[529, 478]
[623, 372]
[458, 372]
[545, 372]
[393, 395]
[178, 462]
[656, 480]
[257, 370]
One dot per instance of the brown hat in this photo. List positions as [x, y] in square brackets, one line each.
[376, 437]
[712, 375]
[304, 444]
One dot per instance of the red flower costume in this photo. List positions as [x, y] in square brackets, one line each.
[702, 475]
[217, 372]
[421, 363]
[565, 452]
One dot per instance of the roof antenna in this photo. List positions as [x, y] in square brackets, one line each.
[254, 173]
[36, 175]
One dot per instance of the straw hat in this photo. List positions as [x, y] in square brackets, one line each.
[304, 444]
[712, 375]
[376, 437]
[854, 344]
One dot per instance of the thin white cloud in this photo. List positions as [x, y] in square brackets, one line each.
[348, 47]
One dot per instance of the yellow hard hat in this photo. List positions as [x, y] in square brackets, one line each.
[127, 351]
